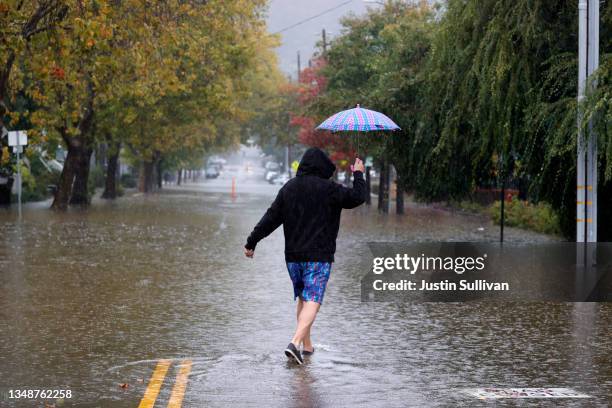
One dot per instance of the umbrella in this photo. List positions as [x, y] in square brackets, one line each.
[358, 120]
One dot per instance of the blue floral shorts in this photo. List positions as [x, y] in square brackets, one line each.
[309, 279]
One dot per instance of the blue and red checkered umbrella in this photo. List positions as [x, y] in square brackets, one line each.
[358, 120]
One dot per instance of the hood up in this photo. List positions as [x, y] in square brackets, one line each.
[316, 163]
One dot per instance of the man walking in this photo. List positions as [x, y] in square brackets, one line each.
[309, 208]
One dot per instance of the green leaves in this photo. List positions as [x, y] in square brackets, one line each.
[160, 76]
[473, 83]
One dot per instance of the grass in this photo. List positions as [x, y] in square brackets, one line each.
[538, 217]
[517, 213]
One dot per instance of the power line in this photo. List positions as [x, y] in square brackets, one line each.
[313, 17]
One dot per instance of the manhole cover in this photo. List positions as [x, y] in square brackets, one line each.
[495, 393]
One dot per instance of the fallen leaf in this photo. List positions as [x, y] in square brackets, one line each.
[124, 385]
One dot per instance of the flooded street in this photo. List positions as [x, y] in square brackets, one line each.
[93, 300]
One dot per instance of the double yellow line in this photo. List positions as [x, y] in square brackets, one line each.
[157, 379]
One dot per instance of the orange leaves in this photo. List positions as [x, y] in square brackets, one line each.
[163, 77]
[58, 72]
[106, 32]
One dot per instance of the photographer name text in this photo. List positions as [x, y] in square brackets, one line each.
[445, 285]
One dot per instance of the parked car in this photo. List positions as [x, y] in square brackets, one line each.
[271, 174]
[216, 161]
[272, 166]
[212, 172]
[281, 179]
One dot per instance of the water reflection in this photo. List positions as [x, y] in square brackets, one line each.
[304, 385]
[90, 300]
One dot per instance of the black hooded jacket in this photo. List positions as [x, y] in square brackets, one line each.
[309, 207]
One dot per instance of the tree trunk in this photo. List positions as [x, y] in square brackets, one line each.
[179, 178]
[64, 188]
[159, 174]
[80, 193]
[368, 181]
[383, 189]
[145, 182]
[5, 192]
[387, 195]
[5, 71]
[399, 197]
[76, 164]
[110, 185]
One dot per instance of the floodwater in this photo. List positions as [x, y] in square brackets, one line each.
[92, 300]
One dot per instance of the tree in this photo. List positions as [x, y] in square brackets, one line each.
[205, 109]
[377, 62]
[157, 78]
[21, 24]
[482, 90]
[502, 99]
[268, 98]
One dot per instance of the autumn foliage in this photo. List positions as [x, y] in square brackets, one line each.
[311, 84]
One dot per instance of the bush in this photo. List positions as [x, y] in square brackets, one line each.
[522, 214]
[128, 181]
[468, 206]
[36, 180]
[95, 180]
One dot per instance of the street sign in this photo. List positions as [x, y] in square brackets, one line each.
[18, 138]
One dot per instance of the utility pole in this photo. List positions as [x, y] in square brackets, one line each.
[502, 177]
[586, 172]
[324, 41]
[287, 163]
[502, 202]
[586, 183]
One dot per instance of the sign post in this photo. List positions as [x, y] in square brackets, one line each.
[18, 139]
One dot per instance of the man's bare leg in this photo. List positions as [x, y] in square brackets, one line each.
[306, 341]
[300, 304]
[306, 318]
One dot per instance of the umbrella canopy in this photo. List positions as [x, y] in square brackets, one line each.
[359, 120]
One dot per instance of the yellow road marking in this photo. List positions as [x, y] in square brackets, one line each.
[178, 391]
[583, 187]
[584, 202]
[583, 220]
[155, 383]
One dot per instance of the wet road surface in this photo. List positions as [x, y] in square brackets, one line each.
[154, 292]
